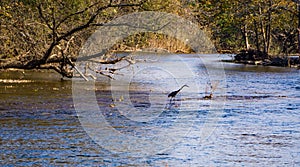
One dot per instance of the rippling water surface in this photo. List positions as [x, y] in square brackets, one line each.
[252, 120]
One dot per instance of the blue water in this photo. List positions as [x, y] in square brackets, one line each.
[252, 120]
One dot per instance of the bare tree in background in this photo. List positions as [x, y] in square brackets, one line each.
[49, 42]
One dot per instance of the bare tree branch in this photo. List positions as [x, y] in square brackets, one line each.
[44, 19]
[74, 14]
[74, 30]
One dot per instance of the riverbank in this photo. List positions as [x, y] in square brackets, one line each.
[254, 57]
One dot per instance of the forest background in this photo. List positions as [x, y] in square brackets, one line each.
[38, 34]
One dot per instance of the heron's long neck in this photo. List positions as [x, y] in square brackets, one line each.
[181, 88]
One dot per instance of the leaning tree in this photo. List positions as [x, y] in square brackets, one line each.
[48, 34]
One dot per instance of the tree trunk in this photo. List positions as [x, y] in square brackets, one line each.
[268, 27]
[262, 27]
[298, 8]
[246, 38]
[256, 36]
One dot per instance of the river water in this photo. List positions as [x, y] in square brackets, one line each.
[253, 118]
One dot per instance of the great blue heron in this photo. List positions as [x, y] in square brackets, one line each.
[174, 93]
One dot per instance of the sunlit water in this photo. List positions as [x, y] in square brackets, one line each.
[252, 120]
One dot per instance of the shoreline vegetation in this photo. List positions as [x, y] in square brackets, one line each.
[254, 57]
[49, 34]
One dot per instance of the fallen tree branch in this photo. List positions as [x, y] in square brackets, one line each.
[65, 73]
[57, 39]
